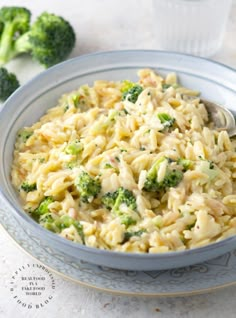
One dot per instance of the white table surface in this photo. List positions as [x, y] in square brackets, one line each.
[107, 25]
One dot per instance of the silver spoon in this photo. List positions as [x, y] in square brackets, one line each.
[221, 117]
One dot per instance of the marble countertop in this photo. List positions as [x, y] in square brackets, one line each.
[107, 25]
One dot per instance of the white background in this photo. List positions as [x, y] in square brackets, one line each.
[107, 25]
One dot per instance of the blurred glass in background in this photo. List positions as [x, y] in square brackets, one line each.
[191, 26]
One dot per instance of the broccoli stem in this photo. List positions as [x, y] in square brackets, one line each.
[22, 44]
[6, 52]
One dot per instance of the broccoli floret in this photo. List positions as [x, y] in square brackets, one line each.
[128, 235]
[50, 40]
[166, 120]
[115, 200]
[124, 196]
[74, 148]
[43, 207]
[15, 21]
[130, 91]
[48, 222]
[185, 163]
[28, 187]
[127, 220]
[108, 200]
[25, 134]
[87, 187]
[66, 221]
[8, 83]
[58, 224]
[171, 179]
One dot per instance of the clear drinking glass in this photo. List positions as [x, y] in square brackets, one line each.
[191, 26]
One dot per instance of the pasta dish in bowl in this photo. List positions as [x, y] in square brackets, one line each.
[111, 158]
[129, 166]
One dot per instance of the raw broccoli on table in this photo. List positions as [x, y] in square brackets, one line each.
[8, 83]
[49, 40]
[14, 21]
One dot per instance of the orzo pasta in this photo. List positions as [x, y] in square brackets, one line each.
[133, 167]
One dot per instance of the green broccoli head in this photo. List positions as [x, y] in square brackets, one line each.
[166, 120]
[28, 187]
[49, 41]
[108, 200]
[172, 177]
[128, 235]
[43, 208]
[25, 134]
[185, 163]
[131, 91]
[113, 200]
[87, 187]
[74, 148]
[14, 21]
[60, 223]
[8, 83]
[18, 16]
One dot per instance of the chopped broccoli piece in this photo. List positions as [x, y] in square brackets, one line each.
[15, 21]
[74, 148]
[166, 120]
[43, 207]
[127, 85]
[25, 134]
[109, 199]
[131, 94]
[108, 166]
[185, 163]
[101, 127]
[71, 165]
[8, 83]
[48, 222]
[58, 224]
[113, 200]
[207, 167]
[49, 40]
[211, 164]
[28, 187]
[190, 226]
[66, 221]
[128, 235]
[66, 108]
[87, 187]
[127, 220]
[117, 158]
[166, 86]
[171, 179]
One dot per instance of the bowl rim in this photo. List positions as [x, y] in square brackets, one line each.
[42, 232]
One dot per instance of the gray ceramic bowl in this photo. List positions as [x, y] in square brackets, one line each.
[215, 81]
